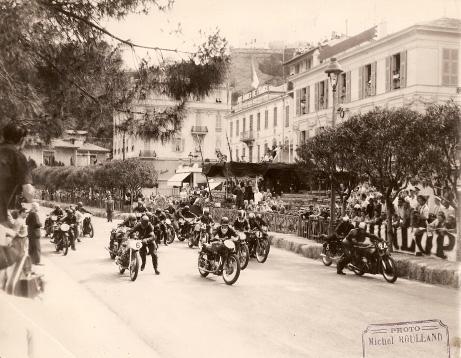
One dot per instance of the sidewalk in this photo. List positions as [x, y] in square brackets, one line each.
[66, 321]
[425, 269]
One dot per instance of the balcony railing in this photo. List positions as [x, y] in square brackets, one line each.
[199, 130]
[247, 136]
[147, 153]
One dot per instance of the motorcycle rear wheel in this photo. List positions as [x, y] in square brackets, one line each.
[262, 250]
[134, 267]
[201, 261]
[231, 270]
[388, 269]
[244, 256]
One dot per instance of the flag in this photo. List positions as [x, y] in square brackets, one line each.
[254, 76]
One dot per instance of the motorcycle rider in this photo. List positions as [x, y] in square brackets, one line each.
[355, 236]
[130, 221]
[224, 231]
[140, 208]
[57, 211]
[260, 221]
[159, 223]
[79, 211]
[341, 230]
[185, 214]
[70, 220]
[146, 234]
[81, 208]
[207, 220]
[241, 224]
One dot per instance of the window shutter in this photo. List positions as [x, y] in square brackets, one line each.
[446, 67]
[298, 102]
[403, 69]
[361, 82]
[183, 144]
[308, 99]
[348, 86]
[325, 94]
[373, 78]
[389, 72]
[316, 103]
[454, 67]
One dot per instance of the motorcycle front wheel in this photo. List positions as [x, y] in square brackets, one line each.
[201, 265]
[327, 260]
[388, 269]
[171, 234]
[134, 267]
[90, 230]
[244, 256]
[231, 270]
[262, 250]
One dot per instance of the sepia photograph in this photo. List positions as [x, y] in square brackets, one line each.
[230, 178]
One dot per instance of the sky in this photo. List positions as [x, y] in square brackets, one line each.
[243, 21]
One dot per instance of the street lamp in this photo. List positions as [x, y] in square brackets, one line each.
[333, 70]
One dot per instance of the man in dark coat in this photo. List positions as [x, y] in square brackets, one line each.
[33, 232]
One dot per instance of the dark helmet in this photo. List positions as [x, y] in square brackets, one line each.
[69, 211]
[224, 221]
[158, 211]
[131, 216]
[206, 212]
[57, 206]
[241, 214]
[79, 203]
[251, 215]
[144, 219]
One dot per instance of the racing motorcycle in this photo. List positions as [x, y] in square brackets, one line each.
[117, 235]
[185, 228]
[375, 259]
[199, 236]
[219, 258]
[259, 244]
[129, 258]
[87, 226]
[243, 253]
[332, 250]
[51, 224]
[62, 237]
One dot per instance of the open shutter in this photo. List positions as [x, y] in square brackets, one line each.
[454, 67]
[325, 93]
[298, 102]
[316, 103]
[389, 72]
[360, 82]
[403, 69]
[348, 86]
[373, 79]
[308, 99]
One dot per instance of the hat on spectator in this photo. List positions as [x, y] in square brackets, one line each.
[357, 206]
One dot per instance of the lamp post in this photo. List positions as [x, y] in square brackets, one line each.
[333, 70]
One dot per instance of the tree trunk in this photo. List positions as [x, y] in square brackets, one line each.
[332, 208]
[389, 231]
[123, 148]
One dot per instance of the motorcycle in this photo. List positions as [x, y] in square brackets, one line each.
[259, 244]
[61, 237]
[332, 250]
[185, 228]
[243, 253]
[375, 259]
[116, 237]
[129, 258]
[219, 258]
[50, 225]
[170, 231]
[87, 227]
[199, 236]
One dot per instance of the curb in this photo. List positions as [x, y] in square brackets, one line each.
[431, 271]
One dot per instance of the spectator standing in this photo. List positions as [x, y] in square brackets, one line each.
[110, 206]
[447, 209]
[435, 208]
[249, 195]
[238, 192]
[33, 230]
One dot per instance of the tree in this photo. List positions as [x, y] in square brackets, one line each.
[442, 166]
[57, 70]
[391, 147]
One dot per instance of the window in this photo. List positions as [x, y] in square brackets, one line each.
[259, 153]
[367, 80]
[237, 155]
[258, 121]
[243, 153]
[396, 75]
[251, 123]
[302, 101]
[287, 116]
[297, 68]
[309, 63]
[244, 124]
[450, 67]
[275, 117]
[178, 144]
[231, 125]
[321, 95]
[343, 90]
[218, 143]
[132, 148]
[237, 128]
[266, 119]
[250, 154]
[303, 137]
[266, 148]
[218, 122]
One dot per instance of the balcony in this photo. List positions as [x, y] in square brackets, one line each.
[199, 130]
[247, 137]
[147, 154]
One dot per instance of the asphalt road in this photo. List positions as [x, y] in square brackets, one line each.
[287, 307]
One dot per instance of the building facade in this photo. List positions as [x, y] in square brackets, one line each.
[262, 122]
[413, 67]
[201, 134]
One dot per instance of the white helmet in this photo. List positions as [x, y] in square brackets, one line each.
[362, 225]
[346, 218]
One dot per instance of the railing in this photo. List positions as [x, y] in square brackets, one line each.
[247, 136]
[199, 130]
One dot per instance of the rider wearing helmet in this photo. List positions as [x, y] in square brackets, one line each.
[224, 231]
[81, 208]
[158, 220]
[70, 219]
[145, 232]
[186, 213]
[260, 221]
[57, 211]
[130, 221]
[254, 222]
[207, 220]
[140, 208]
[354, 238]
[241, 224]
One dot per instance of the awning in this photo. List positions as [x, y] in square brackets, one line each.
[177, 179]
[214, 184]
